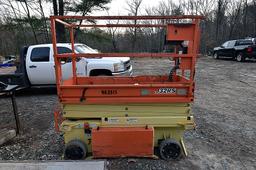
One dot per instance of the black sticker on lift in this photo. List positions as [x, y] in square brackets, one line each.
[109, 92]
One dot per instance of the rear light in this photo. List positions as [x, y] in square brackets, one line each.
[87, 129]
[86, 126]
[249, 49]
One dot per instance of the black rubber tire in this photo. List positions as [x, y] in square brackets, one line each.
[75, 150]
[103, 75]
[240, 57]
[169, 149]
[216, 56]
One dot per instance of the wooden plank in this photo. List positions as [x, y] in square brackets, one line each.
[6, 135]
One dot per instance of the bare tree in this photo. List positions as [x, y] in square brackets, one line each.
[245, 13]
[199, 7]
[133, 9]
[163, 8]
[45, 26]
[25, 7]
[83, 7]
[234, 14]
[24, 22]
[58, 9]
[113, 32]
[220, 13]
[17, 16]
[254, 14]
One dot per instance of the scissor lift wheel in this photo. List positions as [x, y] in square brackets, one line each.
[169, 149]
[75, 150]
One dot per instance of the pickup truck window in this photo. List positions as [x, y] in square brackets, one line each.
[63, 50]
[84, 49]
[40, 54]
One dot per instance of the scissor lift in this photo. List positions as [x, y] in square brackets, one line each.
[129, 116]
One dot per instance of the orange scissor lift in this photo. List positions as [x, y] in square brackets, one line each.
[129, 116]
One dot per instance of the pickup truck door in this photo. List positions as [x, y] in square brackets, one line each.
[66, 64]
[39, 66]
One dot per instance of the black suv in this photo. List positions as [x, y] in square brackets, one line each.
[238, 50]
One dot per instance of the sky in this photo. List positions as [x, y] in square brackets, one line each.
[118, 7]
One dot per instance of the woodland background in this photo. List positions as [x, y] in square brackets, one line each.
[26, 22]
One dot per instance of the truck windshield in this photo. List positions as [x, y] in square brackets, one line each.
[82, 48]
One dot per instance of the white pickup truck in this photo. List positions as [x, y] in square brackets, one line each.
[36, 66]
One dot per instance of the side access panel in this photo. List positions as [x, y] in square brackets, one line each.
[123, 142]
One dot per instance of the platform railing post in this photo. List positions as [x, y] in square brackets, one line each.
[194, 51]
[55, 54]
[71, 31]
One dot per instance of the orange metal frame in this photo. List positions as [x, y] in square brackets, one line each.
[135, 89]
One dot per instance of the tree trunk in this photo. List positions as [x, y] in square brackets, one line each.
[245, 7]
[218, 19]
[24, 38]
[60, 29]
[78, 28]
[55, 7]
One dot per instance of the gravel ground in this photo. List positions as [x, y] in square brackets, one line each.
[224, 111]
[38, 139]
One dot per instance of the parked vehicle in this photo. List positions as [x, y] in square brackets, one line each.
[11, 61]
[8, 63]
[10, 57]
[238, 50]
[37, 65]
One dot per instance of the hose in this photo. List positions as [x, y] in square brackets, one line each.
[173, 70]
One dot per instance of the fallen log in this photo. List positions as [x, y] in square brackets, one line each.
[6, 135]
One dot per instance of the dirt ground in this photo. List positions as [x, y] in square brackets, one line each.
[224, 110]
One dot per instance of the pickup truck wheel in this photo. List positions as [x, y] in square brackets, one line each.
[240, 57]
[215, 56]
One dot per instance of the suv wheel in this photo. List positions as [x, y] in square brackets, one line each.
[240, 57]
[216, 56]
